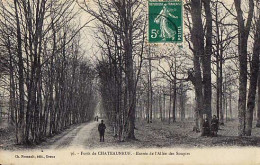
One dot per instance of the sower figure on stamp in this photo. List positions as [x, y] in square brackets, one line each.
[101, 130]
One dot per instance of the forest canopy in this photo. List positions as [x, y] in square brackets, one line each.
[60, 59]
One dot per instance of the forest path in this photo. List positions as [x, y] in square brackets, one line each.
[76, 137]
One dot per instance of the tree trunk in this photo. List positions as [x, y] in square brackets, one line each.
[160, 106]
[174, 91]
[150, 89]
[258, 102]
[197, 38]
[182, 103]
[130, 81]
[12, 106]
[218, 61]
[230, 104]
[20, 124]
[170, 104]
[148, 103]
[221, 111]
[206, 61]
[253, 81]
[243, 33]
[174, 101]
[217, 104]
[164, 106]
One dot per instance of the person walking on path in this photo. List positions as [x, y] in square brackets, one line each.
[101, 130]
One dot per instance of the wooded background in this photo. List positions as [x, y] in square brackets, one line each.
[50, 81]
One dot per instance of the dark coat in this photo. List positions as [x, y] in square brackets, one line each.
[214, 124]
[101, 128]
[206, 124]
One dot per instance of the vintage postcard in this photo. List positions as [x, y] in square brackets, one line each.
[130, 82]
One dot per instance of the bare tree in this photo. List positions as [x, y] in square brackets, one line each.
[43, 51]
[202, 50]
[254, 69]
[244, 26]
[123, 18]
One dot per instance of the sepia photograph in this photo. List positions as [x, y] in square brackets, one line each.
[130, 82]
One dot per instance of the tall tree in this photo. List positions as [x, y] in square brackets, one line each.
[253, 76]
[201, 79]
[206, 60]
[124, 19]
[20, 124]
[258, 102]
[244, 25]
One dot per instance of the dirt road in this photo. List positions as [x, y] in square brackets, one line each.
[76, 137]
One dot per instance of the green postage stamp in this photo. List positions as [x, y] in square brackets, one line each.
[165, 22]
